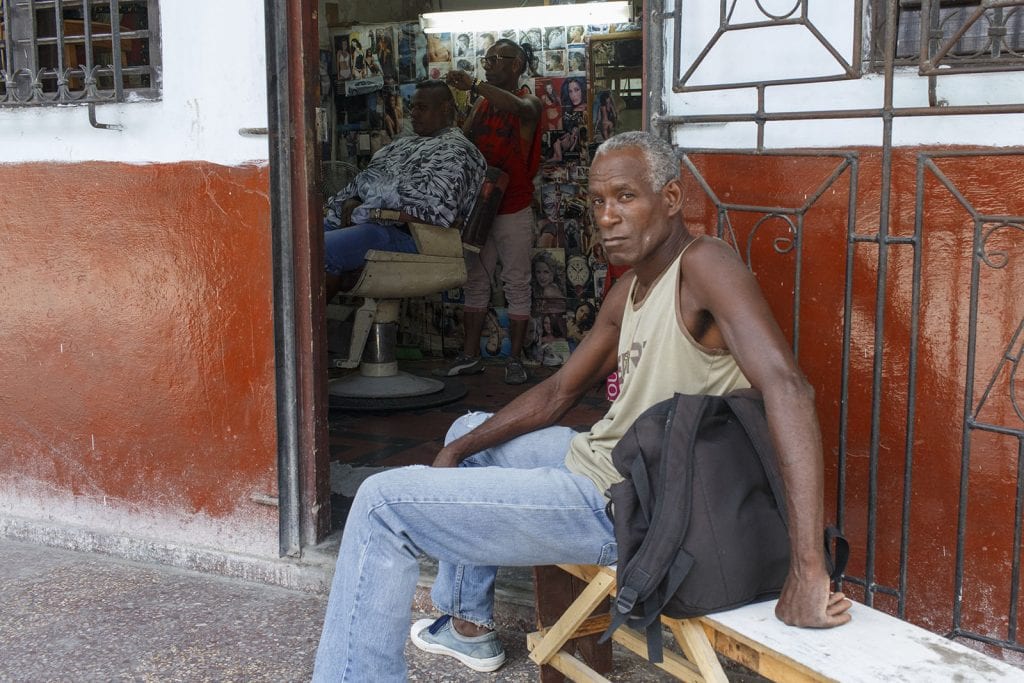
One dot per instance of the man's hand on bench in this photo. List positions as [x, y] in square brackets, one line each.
[809, 602]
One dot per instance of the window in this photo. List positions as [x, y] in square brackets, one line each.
[991, 33]
[67, 51]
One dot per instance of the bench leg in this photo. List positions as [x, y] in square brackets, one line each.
[555, 590]
[576, 621]
[556, 607]
[697, 648]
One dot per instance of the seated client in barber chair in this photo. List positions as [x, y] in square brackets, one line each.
[431, 177]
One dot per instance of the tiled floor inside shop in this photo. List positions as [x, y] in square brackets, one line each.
[363, 440]
[408, 437]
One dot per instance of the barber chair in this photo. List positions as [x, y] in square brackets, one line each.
[386, 279]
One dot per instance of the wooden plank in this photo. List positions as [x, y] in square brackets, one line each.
[873, 647]
[560, 586]
[673, 664]
[586, 572]
[577, 613]
[567, 665]
[553, 593]
[731, 648]
[597, 655]
[694, 643]
[596, 624]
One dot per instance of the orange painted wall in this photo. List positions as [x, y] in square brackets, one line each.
[993, 185]
[137, 342]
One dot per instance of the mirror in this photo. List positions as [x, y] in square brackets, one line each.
[615, 76]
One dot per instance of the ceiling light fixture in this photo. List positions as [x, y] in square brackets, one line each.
[525, 17]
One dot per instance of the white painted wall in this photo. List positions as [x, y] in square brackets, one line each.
[214, 82]
[793, 52]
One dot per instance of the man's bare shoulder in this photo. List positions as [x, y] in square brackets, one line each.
[708, 260]
[531, 107]
[532, 99]
[614, 303]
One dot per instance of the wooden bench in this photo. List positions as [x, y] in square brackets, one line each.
[872, 647]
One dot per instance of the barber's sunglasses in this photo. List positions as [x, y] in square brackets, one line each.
[491, 60]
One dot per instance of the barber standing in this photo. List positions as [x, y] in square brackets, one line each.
[504, 126]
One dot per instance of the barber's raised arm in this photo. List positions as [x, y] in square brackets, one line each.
[544, 404]
[526, 107]
[717, 281]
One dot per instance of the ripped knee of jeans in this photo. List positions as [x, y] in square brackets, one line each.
[464, 425]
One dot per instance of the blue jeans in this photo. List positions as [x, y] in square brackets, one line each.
[512, 505]
[345, 248]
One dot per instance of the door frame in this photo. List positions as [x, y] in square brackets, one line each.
[292, 53]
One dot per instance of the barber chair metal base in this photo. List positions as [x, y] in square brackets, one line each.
[400, 385]
[452, 390]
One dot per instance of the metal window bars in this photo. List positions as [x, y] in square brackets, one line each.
[994, 27]
[997, 240]
[77, 51]
[952, 36]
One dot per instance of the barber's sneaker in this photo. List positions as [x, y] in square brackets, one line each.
[480, 653]
[462, 365]
[515, 372]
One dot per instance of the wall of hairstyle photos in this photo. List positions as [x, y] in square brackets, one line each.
[368, 77]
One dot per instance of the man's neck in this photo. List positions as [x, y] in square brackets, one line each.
[648, 271]
[510, 86]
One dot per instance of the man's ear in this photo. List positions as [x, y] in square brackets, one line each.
[672, 193]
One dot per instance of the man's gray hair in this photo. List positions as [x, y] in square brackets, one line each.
[662, 162]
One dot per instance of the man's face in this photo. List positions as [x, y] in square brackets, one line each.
[632, 219]
[501, 64]
[428, 113]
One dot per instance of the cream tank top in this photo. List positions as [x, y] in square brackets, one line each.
[657, 359]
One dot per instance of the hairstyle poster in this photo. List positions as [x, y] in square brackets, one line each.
[548, 274]
[412, 46]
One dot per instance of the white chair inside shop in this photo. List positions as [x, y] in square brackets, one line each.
[387, 278]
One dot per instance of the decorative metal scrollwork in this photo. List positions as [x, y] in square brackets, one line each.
[772, 15]
[781, 245]
[997, 258]
[13, 93]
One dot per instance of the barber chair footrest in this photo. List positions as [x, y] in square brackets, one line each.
[396, 386]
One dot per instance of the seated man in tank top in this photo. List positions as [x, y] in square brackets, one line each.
[514, 489]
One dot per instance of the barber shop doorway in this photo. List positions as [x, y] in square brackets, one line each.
[341, 78]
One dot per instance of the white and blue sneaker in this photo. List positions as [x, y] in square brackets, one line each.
[480, 653]
[462, 365]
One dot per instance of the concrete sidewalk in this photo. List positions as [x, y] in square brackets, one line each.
[72, 616]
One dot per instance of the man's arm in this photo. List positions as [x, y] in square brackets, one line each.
[715, 280]
[543, 405]
[526, 107]
[341, 206]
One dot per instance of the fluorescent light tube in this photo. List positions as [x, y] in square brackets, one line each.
[525, 17]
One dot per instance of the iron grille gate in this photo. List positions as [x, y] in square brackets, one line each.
[996, 239]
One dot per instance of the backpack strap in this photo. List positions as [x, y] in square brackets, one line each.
[748, 406]
[660, 554]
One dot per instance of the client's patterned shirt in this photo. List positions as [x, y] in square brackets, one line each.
[433, 178]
